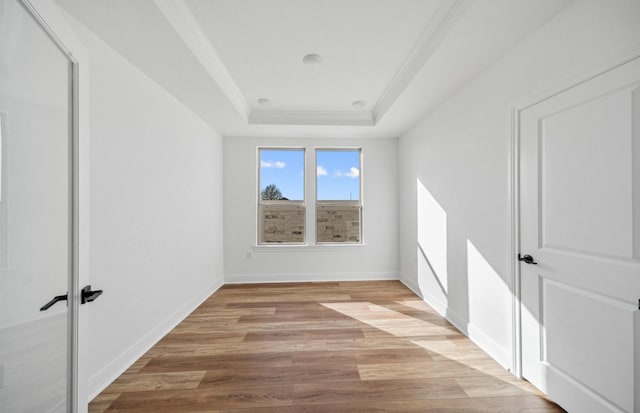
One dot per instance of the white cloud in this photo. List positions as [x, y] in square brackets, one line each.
[353, 173]
[272, 164]
[321, 171]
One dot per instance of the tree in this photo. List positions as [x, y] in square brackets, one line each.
[271, 193]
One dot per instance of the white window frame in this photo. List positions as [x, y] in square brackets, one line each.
[4, 240]
[324, 203]
[297, 203]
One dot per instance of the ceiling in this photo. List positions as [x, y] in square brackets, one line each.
[398, 58]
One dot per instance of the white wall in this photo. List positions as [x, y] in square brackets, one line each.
[454, 168]
[377, 259]
[156, 211]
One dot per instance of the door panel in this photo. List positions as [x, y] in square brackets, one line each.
[581, 209]
[35, 211]
[569, 315]
[580, 180]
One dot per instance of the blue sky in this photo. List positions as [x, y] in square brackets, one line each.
[285, 169]
[338, 173]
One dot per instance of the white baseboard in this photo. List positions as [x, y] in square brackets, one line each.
[486, 343]
[436, 304]
[118, 366]
[439, 306]
[482, 340]
[308, 277]
[457, 321]
[410, 284]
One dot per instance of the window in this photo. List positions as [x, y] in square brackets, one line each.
[281, 208]
[338, 196]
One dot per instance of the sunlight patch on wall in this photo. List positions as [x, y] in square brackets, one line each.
[431, 246]
[489, 298]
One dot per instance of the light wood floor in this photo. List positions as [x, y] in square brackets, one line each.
[317, 347]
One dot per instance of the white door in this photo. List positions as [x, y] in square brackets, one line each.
[36, 360]
[580, 221]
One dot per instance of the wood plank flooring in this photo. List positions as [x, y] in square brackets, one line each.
[317, 347]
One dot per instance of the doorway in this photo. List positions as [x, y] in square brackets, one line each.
[578, 180]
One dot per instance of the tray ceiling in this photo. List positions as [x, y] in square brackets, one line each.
[396, 59]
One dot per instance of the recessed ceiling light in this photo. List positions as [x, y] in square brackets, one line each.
[358, 103]
[312, 59]
[264, 102]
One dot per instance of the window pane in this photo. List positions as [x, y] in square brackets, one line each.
[338, 175]
[281, 180]
[338, 218]
[338, 224]
[282, 174]
[282, 223]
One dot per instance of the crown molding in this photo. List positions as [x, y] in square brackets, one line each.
[302, 117]
[430, 39]
[181, 18]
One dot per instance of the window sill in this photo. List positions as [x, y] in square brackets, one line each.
[309, 248]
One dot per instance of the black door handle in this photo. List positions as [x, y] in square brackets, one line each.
[88, 295]
[53, 301]
[528, 259]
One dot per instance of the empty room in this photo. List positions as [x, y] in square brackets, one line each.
[319, 206]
